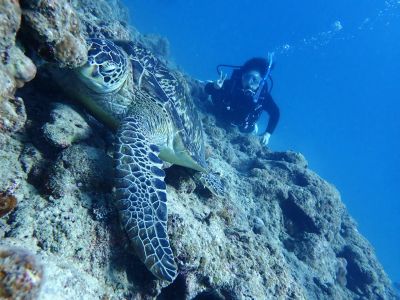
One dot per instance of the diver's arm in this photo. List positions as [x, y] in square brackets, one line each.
[213, 86]
[217, 93]
[220, 81]
[274, 114]
[210, 89]
[265, 138]
[272, 109]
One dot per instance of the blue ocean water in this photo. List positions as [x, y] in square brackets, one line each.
[336, 83]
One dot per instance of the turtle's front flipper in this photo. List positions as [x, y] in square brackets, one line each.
[213, 182]
[141, 198]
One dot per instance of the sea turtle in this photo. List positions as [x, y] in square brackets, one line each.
[124, 85]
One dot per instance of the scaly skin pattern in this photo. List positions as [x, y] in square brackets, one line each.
[107, 66]
[153, 76]
[141, 197]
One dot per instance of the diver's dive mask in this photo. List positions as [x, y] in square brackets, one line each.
[251, 81]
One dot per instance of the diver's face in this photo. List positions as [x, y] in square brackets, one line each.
[251, 80]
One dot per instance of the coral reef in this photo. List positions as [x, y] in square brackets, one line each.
[15, 68]
[7, 204]
[12, 114]
[105, 19]
[80, 166]
[54, 29]
[282, 232]
[21, 275]
[60, 136]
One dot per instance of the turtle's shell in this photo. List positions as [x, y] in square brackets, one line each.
[108, 85]
[170, 88]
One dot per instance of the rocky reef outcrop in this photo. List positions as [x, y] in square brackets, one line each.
[282, 232]
[54, 31]
[15, 68]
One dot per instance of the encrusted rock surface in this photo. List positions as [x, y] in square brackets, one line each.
[21, 274]
[15, 68]
[281, 233]
[54, 27]
[58, 134]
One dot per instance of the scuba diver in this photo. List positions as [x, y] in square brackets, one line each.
[244, 100]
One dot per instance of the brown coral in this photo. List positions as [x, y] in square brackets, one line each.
[7, 204]
[21, 275]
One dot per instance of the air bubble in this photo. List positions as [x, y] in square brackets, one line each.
[337, 26]
[384, 16]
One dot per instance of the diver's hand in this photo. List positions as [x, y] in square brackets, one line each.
[265, 139]
[219, 83]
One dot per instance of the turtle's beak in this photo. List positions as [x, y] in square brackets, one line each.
[89, 71]
[91, 77]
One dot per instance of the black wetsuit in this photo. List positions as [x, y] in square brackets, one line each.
[233, 106]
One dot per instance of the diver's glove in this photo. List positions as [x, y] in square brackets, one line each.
[265, 139]
[220, 82]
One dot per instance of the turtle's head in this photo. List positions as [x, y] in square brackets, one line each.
[106, 69]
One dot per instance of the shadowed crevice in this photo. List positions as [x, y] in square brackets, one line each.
[296, 220]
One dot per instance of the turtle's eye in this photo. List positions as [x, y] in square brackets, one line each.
[107, 68]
